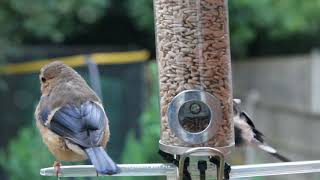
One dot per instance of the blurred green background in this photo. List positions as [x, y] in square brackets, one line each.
[37, 29]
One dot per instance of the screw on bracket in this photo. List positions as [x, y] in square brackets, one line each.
[195, 108]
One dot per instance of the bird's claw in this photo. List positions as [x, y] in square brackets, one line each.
[57, 167]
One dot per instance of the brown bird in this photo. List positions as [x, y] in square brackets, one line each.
[71, 118]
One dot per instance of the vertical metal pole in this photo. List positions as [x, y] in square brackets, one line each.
[94, 76]
[314, 83]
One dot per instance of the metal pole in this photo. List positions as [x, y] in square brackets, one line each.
[170, 170]
[126, 170]
[94, 76]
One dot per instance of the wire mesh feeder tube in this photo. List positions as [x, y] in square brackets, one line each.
[195, 74]
[170, 170]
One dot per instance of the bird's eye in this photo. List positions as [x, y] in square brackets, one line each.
[43, 79]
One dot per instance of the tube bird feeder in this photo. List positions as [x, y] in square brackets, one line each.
[193, 55]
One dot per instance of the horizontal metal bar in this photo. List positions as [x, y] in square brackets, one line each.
[126, 170]
[270, 169]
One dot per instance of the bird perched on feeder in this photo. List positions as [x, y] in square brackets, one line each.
[71, 119]
[247, 134]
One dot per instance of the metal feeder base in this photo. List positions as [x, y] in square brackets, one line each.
[178, 150]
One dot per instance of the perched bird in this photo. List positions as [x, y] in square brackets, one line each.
[247, 134]
[71, 119]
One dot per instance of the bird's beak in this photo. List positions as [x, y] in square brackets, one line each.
[237, 101]
[43, 87]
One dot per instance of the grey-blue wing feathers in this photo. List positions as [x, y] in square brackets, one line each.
[84, 126]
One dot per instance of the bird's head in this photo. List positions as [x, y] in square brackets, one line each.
[236, 107]
[54, 73]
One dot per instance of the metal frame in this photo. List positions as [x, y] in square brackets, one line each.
[211, 151]
[171, 171]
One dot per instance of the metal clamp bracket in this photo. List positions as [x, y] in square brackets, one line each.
[211, 151]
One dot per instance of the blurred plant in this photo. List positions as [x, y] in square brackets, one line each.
[272, 19]
[144, 17]
[25, 156]
[53, 20]
[145, 150]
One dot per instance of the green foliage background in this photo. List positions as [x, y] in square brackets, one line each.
[25, 155]
[53, 20]
[287, 23]
[249, 20]
[145, 150]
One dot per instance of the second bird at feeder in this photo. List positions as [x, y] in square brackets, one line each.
[247, 134]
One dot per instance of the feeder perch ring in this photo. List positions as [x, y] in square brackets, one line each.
[206, 104]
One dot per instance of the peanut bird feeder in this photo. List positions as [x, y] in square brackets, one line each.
[193, 54]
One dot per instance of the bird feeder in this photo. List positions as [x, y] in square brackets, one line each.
[194, 65]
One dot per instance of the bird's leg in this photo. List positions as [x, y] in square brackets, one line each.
[57, 167]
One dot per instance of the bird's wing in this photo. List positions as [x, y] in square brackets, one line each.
[245, 116]
[82, 125]
[257, 134]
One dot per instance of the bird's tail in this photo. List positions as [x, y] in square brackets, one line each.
[273, 152]
[280, 157]
[101, 161]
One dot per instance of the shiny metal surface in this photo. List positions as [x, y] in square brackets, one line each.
[179, 150]
[212, 152]
[126, 170]
[271, 169]
[215, 115]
